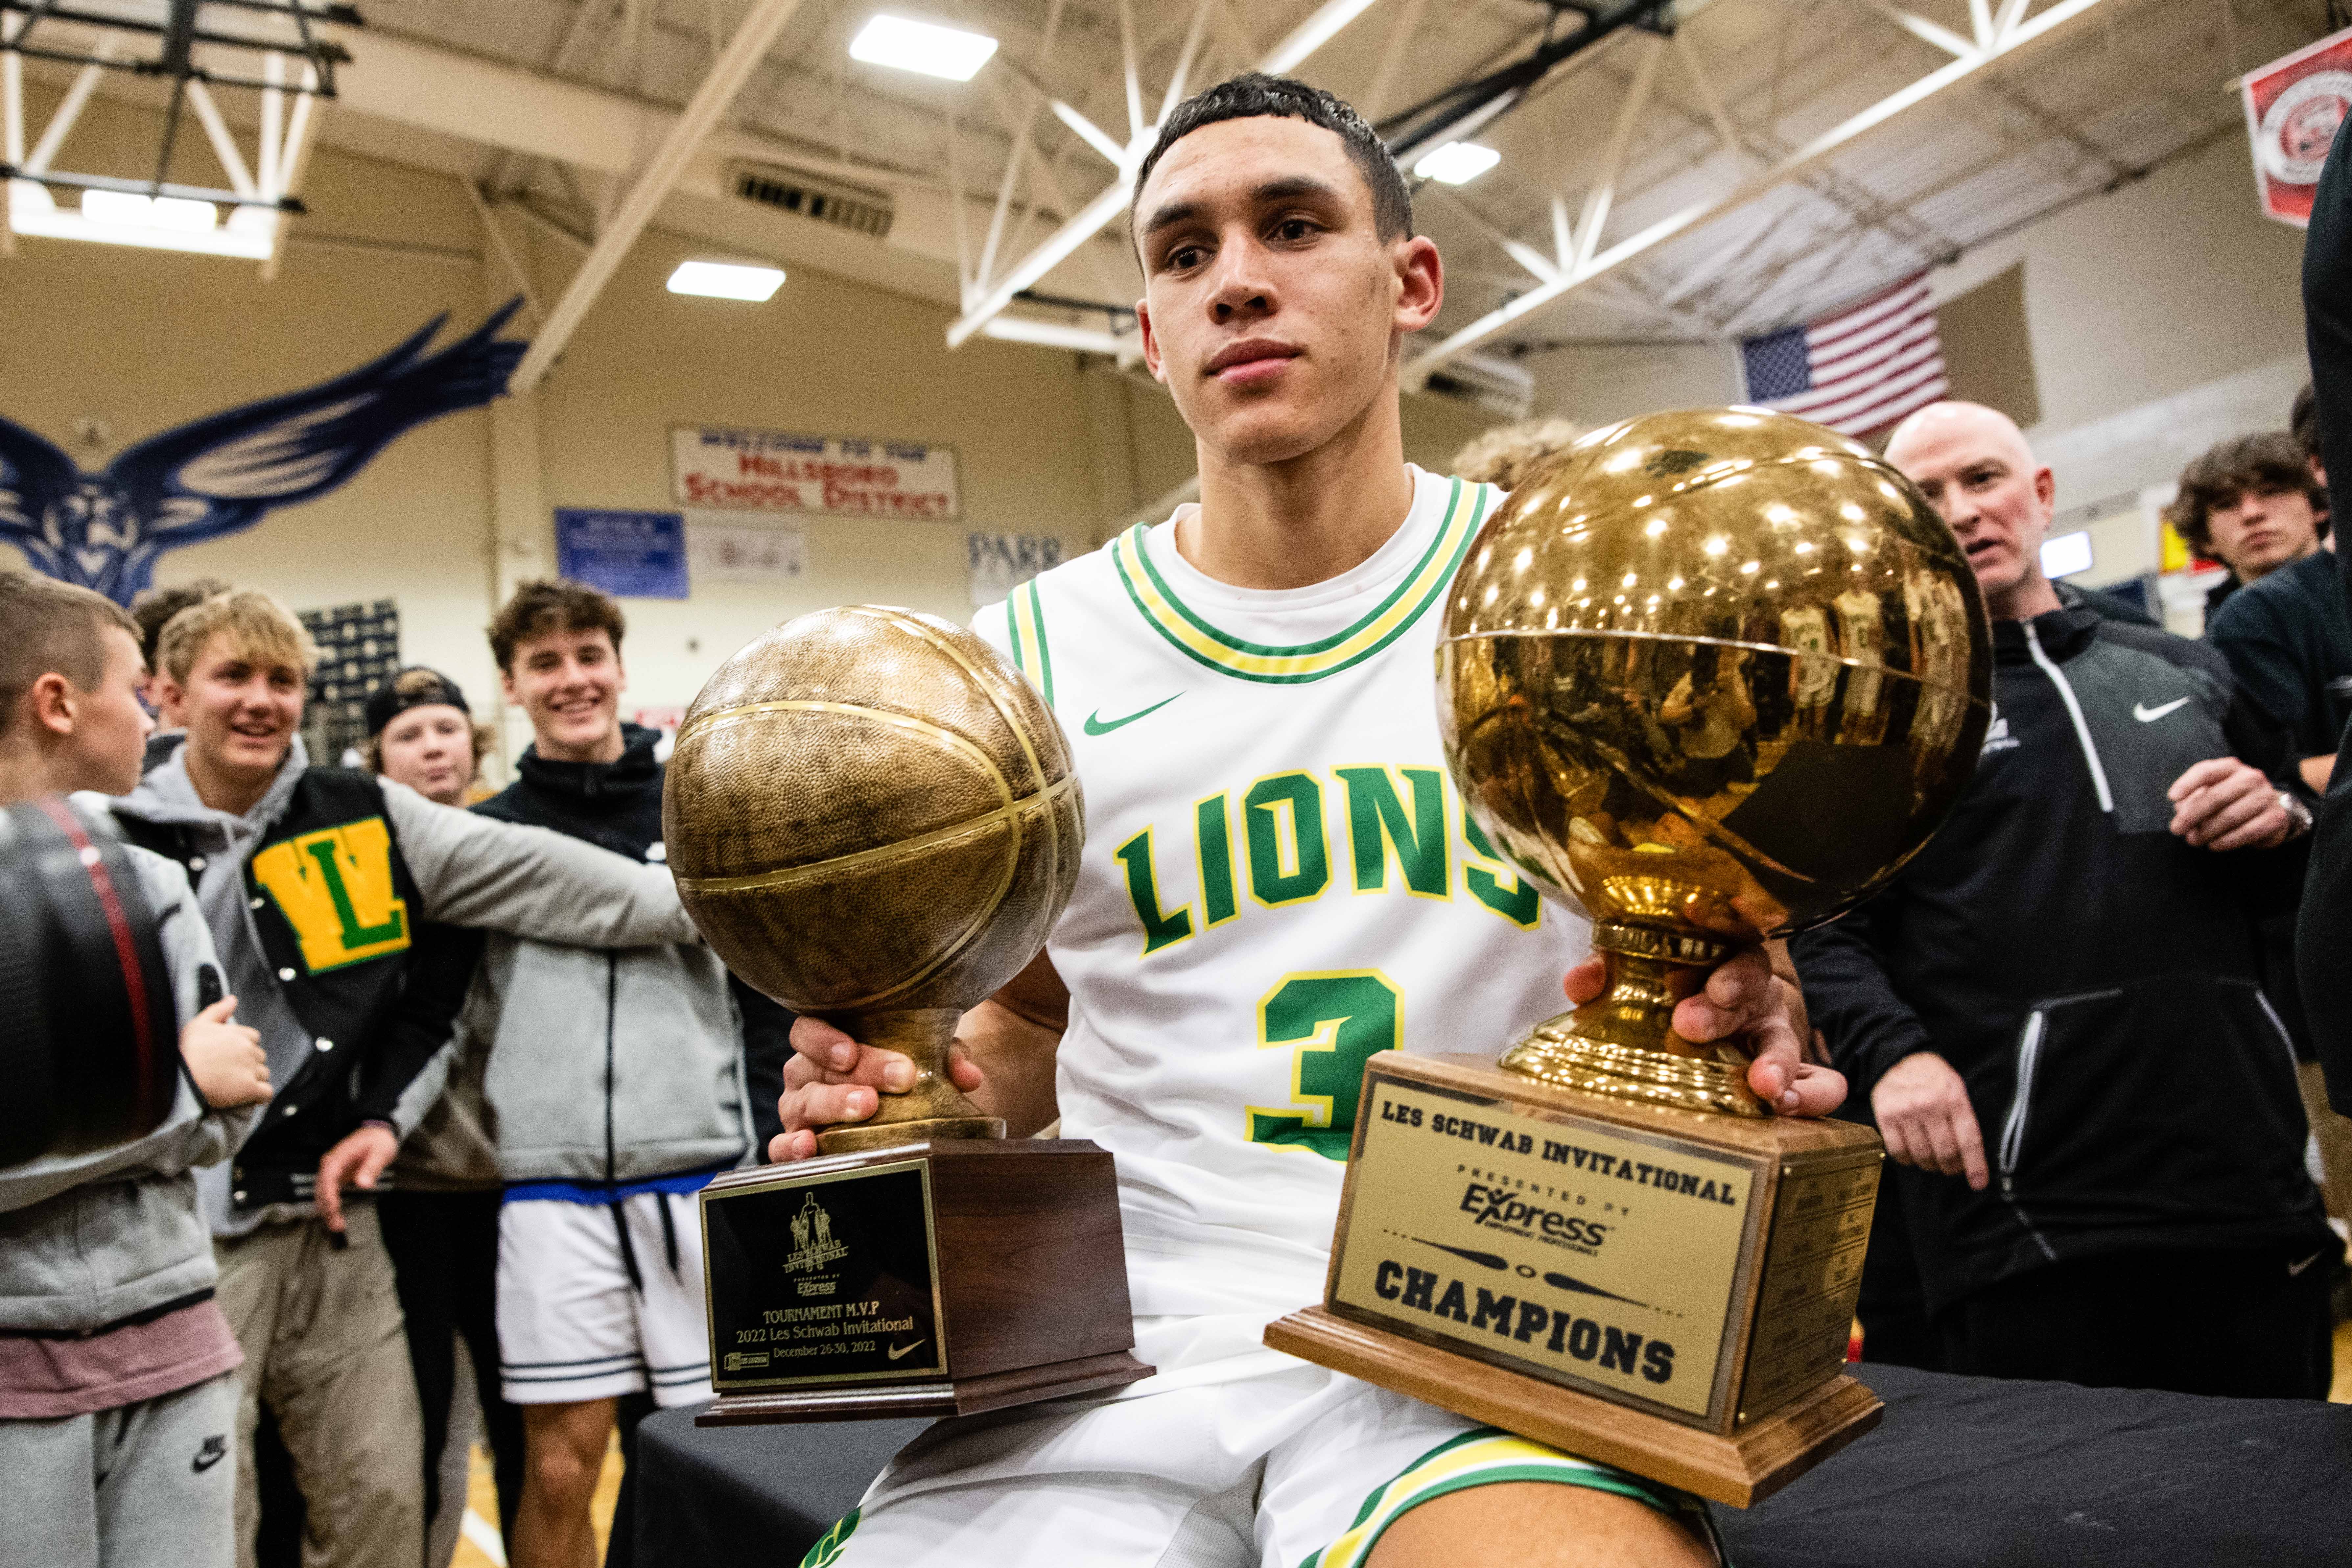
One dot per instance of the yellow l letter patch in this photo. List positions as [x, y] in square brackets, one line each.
[334, 887]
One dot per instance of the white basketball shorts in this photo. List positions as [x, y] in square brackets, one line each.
[1293, 1466]
[573, 1323]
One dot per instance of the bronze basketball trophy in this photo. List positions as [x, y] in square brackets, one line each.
[872, 818]
[1711, 677]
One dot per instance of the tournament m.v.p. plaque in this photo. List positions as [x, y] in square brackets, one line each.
[928, 1278]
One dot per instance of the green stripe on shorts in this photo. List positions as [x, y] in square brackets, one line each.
[1484, 1456]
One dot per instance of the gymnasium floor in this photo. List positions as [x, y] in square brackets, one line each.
[478, 1548]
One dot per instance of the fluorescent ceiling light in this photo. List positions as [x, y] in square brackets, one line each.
[133, 210]
[248, 234]
[925, 46]
[726, 280]
[1456, 163]
[2066, 554]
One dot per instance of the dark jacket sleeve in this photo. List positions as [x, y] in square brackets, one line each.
[2263, 659]
[2326, 926]
[441, 964]
[766, 1047]
[1868, 1026]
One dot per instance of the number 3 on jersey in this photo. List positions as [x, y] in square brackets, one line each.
[1331, 1021]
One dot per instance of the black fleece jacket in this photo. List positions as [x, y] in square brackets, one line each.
[616, 806]
[2323, 941]
[2094, 979]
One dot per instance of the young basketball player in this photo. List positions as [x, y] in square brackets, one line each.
[1279, 880]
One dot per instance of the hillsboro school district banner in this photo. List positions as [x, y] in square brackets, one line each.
[819, 476]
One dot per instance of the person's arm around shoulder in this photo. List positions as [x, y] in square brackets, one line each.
[1002, 1058]
[531, 882]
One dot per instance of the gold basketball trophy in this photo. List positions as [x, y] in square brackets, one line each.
[1711, 677]
[872, 818]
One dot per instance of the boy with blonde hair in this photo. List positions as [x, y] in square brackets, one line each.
[319, 885]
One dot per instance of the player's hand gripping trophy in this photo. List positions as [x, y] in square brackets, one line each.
[1711, 678]
[873, 819]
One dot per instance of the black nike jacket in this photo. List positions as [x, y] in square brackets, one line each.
[2094, 979]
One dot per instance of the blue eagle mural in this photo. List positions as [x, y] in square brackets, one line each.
[219, 474]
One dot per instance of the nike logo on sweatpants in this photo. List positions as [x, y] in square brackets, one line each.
[215, 1449]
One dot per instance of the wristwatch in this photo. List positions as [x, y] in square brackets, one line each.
[2298, 816]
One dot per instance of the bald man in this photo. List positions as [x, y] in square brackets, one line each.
[2055, 1014]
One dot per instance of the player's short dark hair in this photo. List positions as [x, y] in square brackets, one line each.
[1254, 94]
[552, 605]
[2270, 463]
[2302, 423]
[53, 626]
[152, 609]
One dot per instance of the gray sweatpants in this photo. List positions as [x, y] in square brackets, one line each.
[151, 1483]
[325, 1346]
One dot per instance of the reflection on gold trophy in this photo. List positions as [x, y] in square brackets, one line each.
[1710, 679]
[873, 818]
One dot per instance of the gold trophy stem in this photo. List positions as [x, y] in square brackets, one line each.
[934, 1108]
[1622, 1043]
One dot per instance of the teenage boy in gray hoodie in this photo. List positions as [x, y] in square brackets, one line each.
[320, 886]
[616, 1082]
[117, 1389]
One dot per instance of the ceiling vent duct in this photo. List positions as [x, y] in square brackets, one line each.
[789, 190]
[1498, 386]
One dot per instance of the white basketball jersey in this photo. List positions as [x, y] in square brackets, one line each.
[1279, 880]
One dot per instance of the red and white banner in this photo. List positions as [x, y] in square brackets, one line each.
[2293, 108]
[823, 475]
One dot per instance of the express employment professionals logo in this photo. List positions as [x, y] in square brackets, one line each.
[813, 1243]
[1501, 1209]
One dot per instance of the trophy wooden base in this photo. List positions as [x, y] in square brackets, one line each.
[1663, 1290]
[1740, 1469]
[931, 1278]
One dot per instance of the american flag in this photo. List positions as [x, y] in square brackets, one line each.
[1857, 370]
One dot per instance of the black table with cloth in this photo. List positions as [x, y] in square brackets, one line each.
[1964, 1470]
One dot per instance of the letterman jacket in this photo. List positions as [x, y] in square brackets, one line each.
[2094, 979]
[319, 899]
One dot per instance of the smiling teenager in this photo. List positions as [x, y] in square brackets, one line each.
[618, 1084]
[1278, 882]
[319, 886]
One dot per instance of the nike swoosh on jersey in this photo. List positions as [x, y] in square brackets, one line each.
[2147, 715]
[897, 1350]
[2295, 1269]
[1095, 726]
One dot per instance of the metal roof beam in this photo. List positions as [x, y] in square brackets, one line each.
[728, 73]
[2020, 37]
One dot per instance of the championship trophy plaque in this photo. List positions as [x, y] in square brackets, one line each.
[1711, 677]
[873, 819]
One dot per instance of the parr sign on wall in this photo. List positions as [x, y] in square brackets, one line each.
[2293, 108]
[826, 476]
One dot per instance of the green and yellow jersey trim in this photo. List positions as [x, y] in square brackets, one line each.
[1027, 613]
[1480, 1457]
[1467, 507]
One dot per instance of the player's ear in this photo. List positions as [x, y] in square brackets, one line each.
[1150, 341]
[1420, 280]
